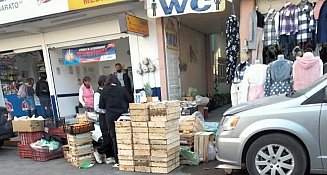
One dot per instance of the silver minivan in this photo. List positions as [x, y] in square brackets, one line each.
[277, 135]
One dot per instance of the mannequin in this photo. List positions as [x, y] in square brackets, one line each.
[279, 77]
[238, 79]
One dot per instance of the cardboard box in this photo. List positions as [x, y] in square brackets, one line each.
[28, 125]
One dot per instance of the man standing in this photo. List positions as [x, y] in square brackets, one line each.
[42, 91]
[123, 78]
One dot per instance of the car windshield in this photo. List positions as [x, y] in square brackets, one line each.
[304, 91]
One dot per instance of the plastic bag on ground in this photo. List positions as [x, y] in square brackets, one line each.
[203, 101]
[211, 127]
[191, 157]
[212, 152]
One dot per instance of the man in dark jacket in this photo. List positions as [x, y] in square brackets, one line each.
[115, 99]
[42, 91]
[123, 78]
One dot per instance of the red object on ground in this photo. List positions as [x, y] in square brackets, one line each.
[26, 138]
[45, 155]
[58, 131]
[25, 151]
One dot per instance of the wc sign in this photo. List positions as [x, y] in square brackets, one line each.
[162, 8]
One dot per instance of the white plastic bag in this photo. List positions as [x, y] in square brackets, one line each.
[212, 152]
[203, 101]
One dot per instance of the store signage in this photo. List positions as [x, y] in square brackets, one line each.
[81, 4]
[82, 55]
[18, 10]
[162, 8]
[133, 24]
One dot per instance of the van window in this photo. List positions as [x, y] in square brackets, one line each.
[319, 97]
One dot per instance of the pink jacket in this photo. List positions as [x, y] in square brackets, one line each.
[88, 96]
[306, 70]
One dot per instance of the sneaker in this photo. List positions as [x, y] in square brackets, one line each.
[116, 165]
[97, 157]
[110, 160]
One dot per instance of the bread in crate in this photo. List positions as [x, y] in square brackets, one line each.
[139, 112]
[164, 111]
[79, 128]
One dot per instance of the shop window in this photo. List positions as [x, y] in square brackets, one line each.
[220, 70]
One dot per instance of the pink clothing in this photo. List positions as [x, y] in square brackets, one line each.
[88, 96]
[306, 70]
[255, 92]
[317, 8]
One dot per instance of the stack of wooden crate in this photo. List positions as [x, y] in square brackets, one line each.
[188, 126]
[125, 145]
[80, 149]
[164, 136]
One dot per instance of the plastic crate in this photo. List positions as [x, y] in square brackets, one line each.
[26, 138]
[54, 124]
[58, 131]
[79, 128]
[24, 151]
[41, 155]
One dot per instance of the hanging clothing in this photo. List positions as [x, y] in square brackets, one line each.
[253, 82]
[237, 82]
[288, 22]
[279, 77]
[322, 24]
[306, 70]
[255, 22]
[306, 22]
[271, 28]
[232, 46]
[317, 8]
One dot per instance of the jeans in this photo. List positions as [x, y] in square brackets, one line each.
[106, 146]
[30, 106]
[110, 119]
[288, 42]
[45, 106]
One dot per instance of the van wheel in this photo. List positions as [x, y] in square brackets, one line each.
[275, 154]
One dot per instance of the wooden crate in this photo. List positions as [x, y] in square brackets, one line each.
[160, 124]
[143, 169]
[187, 139]
[165, 146]
[81, 149]
[201, 144]
[123, 129]
[123, 152]
[123, 124]
[167, 141]
[141, 136]
[165, 164]
[123, 136]
[164, 153]
[164, 130]
[157, 116]
[140, 124]
[125, 146]
[141, 141]
[126, 162]
[140, 130]
[142, 152]
[191, 124]
[141, 146]
[124, 157]
[167, 170]
[139, 112]
[78, 161]
[126, 168]
[79, 139]
[163, 135]
[141, 160]
[165, 159]
[124, 141]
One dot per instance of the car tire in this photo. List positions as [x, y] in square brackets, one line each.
[273, 153]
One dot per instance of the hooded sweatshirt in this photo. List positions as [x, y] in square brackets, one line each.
[115, 99]
[307, 69]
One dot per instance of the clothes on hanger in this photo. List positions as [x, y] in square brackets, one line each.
[306, 70]
[253, 83]
[288, 22]
[279, 77]
[271, 28]
[306, 22]
[237, 83]
[322, 24]
[317, 8]
[232, 46]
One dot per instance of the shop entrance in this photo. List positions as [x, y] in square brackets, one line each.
[68, 76]
[17, 69]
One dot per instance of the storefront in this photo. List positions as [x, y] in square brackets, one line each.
[194, 45]
[85, 29]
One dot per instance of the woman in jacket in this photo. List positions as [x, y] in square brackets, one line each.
[106, 145]
[115, 99]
